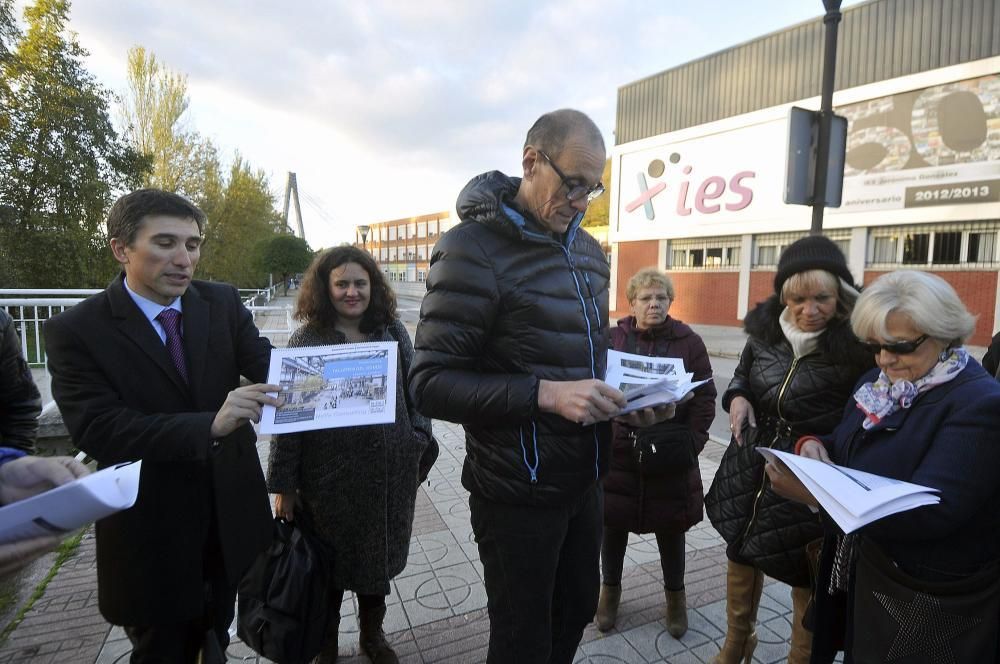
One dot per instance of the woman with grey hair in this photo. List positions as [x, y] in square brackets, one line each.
[922, 584]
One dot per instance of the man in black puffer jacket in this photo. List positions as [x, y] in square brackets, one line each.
[512, 343]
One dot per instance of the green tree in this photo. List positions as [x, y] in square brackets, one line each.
[284, 255]
[597, 212]
[153, 111]
[243, 218]
[61, 160]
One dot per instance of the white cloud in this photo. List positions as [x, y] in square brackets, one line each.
[385, 108]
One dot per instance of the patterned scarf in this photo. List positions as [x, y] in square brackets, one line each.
[881, 398]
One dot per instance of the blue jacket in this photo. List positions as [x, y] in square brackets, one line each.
[948, 439]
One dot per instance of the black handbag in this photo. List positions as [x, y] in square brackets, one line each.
[897, 617]
[663, 448]
[284, 600]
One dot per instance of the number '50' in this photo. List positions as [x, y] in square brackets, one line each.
[950, 123]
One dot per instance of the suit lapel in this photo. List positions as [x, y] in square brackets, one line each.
[196, 316]
[137, 329]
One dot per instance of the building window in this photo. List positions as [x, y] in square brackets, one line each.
[384, 254]
[767, 254]
[392, 253]
[947, 247]
[411, 230]
[422, 252]
[432, 227]
[982, 248]
[915, 246]
[421, 275]
[422, 229]
[383, 233]
[392, 233]
[708, 253]
[884, 249]
[952, 244]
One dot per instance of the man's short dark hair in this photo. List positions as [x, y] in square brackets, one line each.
[127, 213]
[551, 131]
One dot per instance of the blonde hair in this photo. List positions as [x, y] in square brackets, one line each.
[810, 280]
[649, 277]
[926, 299]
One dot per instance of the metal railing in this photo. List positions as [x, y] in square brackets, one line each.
[30, 308]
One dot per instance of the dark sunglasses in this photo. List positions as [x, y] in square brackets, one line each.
[896, 347]
[575, 192]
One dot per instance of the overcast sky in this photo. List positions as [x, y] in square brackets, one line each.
[385, 109]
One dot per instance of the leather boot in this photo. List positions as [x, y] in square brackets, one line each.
[801, 647]
[607, 606]
[372, 638]
[744, 585]
[329, 652]
[677, 615]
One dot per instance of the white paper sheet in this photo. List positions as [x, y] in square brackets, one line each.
[648, 381]
[332, 386]
[71, 506]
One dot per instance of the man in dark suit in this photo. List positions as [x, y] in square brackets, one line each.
[150, 369]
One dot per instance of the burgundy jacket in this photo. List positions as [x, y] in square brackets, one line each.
[672, 502]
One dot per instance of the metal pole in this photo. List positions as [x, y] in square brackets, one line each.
[830, 20]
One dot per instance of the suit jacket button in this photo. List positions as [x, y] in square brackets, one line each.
[216, 445]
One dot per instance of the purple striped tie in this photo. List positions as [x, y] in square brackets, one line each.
[170, 319]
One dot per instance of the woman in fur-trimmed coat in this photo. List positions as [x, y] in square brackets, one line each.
[353, 486]
[794, 377]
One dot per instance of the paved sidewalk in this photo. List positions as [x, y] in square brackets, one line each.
[437, 609]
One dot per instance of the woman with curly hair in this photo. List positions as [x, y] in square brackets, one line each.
[354, 487]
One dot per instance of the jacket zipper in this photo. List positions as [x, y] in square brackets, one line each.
[763, 480]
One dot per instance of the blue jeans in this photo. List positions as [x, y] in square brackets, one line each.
[542, 577]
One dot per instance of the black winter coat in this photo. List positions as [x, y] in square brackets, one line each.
[791, 397]
[507, 305]
[20, 401]
[672, 501]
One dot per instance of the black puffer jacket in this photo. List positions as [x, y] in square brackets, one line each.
[507, 305]
[20, 402]
[790, 398]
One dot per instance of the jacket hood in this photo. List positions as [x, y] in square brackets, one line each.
[671, 328]
[488, 199]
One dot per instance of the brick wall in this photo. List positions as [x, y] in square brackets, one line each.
[632, 257]
[761, 287]
[708, 298]
[978, 292]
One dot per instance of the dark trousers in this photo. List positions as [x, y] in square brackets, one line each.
[542, 581]
[670, 544]
[180, 643]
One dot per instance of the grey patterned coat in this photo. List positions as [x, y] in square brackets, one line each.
[357, 485]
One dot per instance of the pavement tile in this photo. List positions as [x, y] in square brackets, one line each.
[437, 605]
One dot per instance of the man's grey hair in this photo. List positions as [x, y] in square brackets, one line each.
[552, 131]
[927, 299]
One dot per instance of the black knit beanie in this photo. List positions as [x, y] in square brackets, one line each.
[813, 252]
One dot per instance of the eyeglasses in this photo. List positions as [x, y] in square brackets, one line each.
[896, 347]
[575, 191]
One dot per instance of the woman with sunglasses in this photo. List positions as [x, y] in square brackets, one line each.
[922, 584]
[794, 376]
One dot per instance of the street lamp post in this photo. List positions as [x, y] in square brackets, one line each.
[830, 20]
[363, 229]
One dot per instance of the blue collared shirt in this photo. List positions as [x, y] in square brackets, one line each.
[152, 309]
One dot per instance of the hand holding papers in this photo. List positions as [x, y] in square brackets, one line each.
[332, 386]
[70, 506]
[852, 497]
[648, 381]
